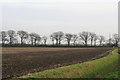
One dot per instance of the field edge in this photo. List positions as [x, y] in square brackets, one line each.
[84, 70]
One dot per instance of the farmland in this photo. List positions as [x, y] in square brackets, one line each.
[106, 67]
[22, 61]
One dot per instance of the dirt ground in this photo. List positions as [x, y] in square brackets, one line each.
[21, 61]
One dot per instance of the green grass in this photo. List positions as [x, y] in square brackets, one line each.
[93, 69]
[112, 74]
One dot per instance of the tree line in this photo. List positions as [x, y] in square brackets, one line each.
[86, 38]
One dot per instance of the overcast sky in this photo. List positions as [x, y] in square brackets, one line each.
[70, 16]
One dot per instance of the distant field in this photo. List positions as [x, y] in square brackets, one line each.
[21, 61]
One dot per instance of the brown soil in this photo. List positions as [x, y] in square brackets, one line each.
[21, 61]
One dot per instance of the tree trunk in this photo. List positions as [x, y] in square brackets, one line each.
[53, 42]
[3, 42]
[74, 43]
[45, 42]
[94, 43]
[35, 42]
[57, 42]
[85, 43]
[21, 41]
[68, 43]
[116, 44]
[32, 42]
[10, 41]
[100, 43]
[91, 42]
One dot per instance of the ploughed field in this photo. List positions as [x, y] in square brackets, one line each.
[21, 61]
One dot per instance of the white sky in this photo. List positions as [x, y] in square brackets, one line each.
[70, 16]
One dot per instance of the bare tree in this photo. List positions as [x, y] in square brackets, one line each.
[38, 39]
[44, 39]
[68, 36]
[95, 39]
[23, 35]
[58, 37]
[92, 35]
[34, 38]
[116, 39]
[3, 36]
[15, 41]
[52, 38]
[11, 35]
[31, 39]
[55, 36]
[74, 38]
[85, 36]
[101, 39]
